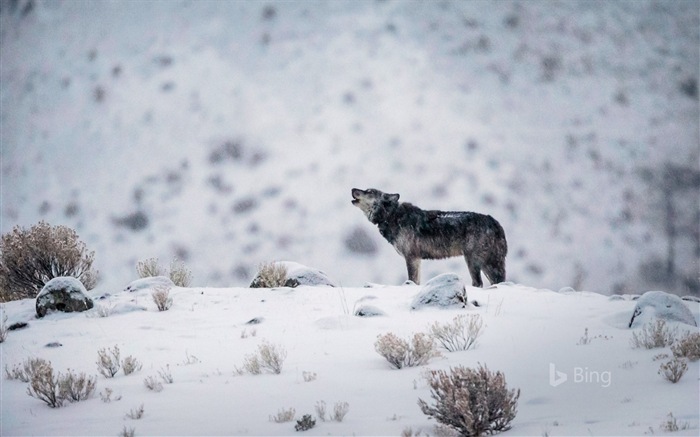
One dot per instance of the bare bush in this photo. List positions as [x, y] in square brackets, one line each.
[340, 410]
[165, 375]
[25, 371]
[127, 432]
[272, 357]
[309, 376]
[687, 346]
[321, 410]
[161, 297]
[106, 395]
[399, 353]
[30, 258]
[44, 385]
[108, 363]
[179, 273]
[76, 387]
[460, 335]
[654, 334]
[136, 413]
[283, 416]
[148, 268]
[131, 365]
[270, 275]
[674, 369]
[471, 401]
[153, 384]
[671, 424]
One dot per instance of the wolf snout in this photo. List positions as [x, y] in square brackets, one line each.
[356, 192]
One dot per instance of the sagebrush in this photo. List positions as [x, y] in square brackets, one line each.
[56, 388]
[29, 258]
[687, 346]
[161, 297]
[473, 402]
[400, 353]
[673, 370]
[178, 272]
[108, 363]
[654, 334]
[268, 357]
[270, 275]
[459, 335]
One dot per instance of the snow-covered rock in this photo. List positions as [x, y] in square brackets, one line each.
[446, 290]
[149, 283]
[369, 311]
[299, 274]
[661, 305]
[64, 293]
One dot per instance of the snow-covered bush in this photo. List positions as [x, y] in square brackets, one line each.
[136, 413]
[149, 267]
[400, 353]
[687, 346]
[30, 258]
[674, 369]
[289, 274]
[153, 384]
[179, 273]
[108, 362]
[76, 387]
[131, 365]
[654, 334]
[471, 401]
[161, 297]
[460, 335]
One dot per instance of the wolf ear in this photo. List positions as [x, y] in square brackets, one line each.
[392, 197]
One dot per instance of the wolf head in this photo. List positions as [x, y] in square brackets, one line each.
[374, 203]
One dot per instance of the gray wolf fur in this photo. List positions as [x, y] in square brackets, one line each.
[419, 234]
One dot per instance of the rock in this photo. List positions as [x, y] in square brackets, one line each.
[299, 274]
[149, 283]
[661, 305]
[255, 321]
[446, 290]
[64, 294]
[369, 311]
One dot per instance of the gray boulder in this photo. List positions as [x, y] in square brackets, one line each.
[65, 294]
[446, 291]
[661, 305]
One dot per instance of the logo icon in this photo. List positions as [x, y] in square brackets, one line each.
[556, 378]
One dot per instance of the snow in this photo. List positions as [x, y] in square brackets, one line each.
[444, 290]
[149, 283]
[77, 289]
[555, 119]
[530, 334]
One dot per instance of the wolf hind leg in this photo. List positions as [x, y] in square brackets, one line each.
[474, 272]
[495, 271]
[413, 267]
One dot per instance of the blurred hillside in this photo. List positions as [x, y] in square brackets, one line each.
[230, 133]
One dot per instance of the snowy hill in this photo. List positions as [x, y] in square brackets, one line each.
[569, 353]
[230, 133]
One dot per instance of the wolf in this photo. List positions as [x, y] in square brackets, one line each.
[419, 234]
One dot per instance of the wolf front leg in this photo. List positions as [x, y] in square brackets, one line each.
[413, 267]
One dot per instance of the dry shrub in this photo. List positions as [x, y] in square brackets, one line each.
[460, 335]
[25, 371]
[471, 401]
[55, 388]
[108, 363]
[153, 384]
[654, 334]
[687, 346]
[131, 365]
[178, 273]
[673, 370]
[305, 423]
[283, 415]
[161, 297]
[30, 258]
[136, 413]
[400, 353]
[3, 325]
[340, 410]
[270, 275]
[148, 268]
[268, 357]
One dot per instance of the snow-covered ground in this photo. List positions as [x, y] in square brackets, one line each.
[230, 133]
[534, 336]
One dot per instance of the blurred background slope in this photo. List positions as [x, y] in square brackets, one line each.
[230, 133]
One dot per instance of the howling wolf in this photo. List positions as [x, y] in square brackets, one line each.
[418, 234]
